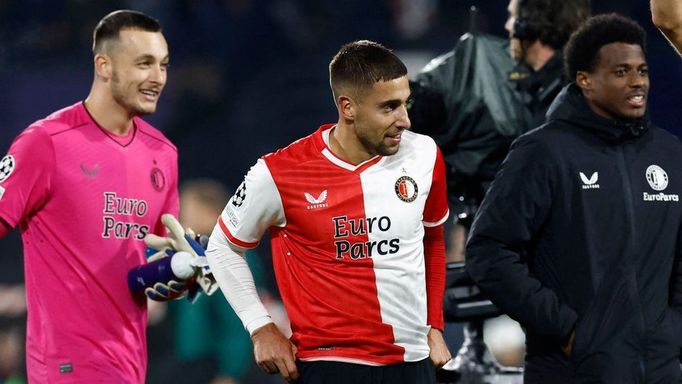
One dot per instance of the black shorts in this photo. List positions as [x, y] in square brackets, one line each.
[333, 372]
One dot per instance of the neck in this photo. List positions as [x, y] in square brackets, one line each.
[107, 112]
[345, 145]
[538, 54]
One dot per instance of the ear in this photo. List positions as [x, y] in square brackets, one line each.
[583, 80]
[346, 107]
[103, 66]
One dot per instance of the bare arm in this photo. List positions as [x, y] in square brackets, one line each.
[667, 16]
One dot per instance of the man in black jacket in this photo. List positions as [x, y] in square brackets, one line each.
[578, 237]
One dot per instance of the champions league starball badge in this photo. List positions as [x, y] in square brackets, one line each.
[6, 167]
[406, 189]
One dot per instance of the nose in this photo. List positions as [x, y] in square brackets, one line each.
[158, 74]
[638, 81]
[509, 25]
[403, 121]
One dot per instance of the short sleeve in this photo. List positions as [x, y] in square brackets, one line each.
[25, 176]
[436, 209]
[254, 207]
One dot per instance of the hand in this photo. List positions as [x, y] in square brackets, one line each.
[439, 352]
[567, 348]
[178, 240]
[274, 353]
[172, 290]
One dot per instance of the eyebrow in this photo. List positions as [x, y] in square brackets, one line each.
[150, 57]
[394, 102]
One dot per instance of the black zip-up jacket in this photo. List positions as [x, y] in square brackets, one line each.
[581, 231]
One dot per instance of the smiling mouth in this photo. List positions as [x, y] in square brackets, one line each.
[150, 94]
[636, 101]
[394, 139]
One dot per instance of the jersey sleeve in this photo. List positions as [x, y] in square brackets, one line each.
[254, 207]
[436, 209]
[26, 175]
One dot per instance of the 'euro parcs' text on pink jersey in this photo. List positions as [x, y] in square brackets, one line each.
[84, 200]
[347, 244]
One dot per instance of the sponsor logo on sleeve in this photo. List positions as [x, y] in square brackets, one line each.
[658, 181]
[7, 165]
[238, 198]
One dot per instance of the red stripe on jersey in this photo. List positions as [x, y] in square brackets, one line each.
[434, 258]
[436, 208]
[233, 239]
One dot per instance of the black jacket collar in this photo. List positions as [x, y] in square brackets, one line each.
[570, 106]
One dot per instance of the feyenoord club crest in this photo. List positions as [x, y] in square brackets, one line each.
[157, 178]
[6, 167]
[406, 189]
[657, 178]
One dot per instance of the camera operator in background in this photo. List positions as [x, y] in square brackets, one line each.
[476, 99]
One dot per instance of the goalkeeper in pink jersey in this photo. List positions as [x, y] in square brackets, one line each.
[85, 185]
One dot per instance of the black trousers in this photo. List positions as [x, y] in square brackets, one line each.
[333, 372]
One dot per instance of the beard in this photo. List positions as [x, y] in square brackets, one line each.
[380, 149]
[126, 99]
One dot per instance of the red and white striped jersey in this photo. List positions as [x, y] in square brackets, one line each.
[347, 244]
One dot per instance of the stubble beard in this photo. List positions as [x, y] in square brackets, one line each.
[128, 102]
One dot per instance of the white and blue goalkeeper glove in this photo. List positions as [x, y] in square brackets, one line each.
[179, 240]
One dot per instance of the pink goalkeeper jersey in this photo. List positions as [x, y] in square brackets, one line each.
[347, 244]
[84, 201]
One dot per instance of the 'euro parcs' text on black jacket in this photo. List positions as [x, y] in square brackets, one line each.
[581, 231]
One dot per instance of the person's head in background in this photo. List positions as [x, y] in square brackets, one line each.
[201, 201]
[606, 59]
[539, 28]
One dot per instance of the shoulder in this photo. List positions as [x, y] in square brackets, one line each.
[418, 146]
[665, 136]
[150, 134]
[63, 120]
[296, 153]
[544, 137]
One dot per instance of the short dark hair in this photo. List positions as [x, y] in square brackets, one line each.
[111, 25]
[551, 21]
[362, 63]
[582, 50]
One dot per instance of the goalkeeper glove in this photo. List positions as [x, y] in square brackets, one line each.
[178, 240]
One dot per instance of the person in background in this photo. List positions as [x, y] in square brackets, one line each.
[208, 336]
